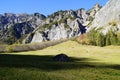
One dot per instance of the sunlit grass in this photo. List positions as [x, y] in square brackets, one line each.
[88, 63]
[109, 54]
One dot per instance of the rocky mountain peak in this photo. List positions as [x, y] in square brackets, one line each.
[94, 10]
[97, 6]
[108, 17]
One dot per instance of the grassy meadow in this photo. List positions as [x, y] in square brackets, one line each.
[86, 63]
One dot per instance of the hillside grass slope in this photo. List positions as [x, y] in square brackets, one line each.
[86, 63]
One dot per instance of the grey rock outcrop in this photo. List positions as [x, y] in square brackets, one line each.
[81, 13]
[37, 37]
[60, 25]
[94, 10]
[56, 32]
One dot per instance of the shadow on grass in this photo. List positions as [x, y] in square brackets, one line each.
[47, 63]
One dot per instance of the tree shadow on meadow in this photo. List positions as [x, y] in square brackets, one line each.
[48, 64]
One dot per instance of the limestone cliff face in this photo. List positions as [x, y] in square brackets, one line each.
[63, 24]
[108, 17]
[37, 37]
[60, 25]
[56, 32]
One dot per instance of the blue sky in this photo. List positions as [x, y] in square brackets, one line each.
[45, 7]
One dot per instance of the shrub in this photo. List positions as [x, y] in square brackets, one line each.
[113, 37]
[62, 21]
[71, 17]
[48, 26]
[66, 26]
[92, 36]
[3, 47]
[83, 39]
[9, 48]
[100, 39]
[118, 38]
[113, 23]
[91, 18]
[108, 40]
[29, 47]
[95, 37]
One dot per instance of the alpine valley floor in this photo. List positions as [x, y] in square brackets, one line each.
[86, 63]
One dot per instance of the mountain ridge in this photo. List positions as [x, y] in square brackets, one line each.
[63, 24]
[25, 28]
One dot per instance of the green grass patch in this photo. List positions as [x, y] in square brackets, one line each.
[85, 63]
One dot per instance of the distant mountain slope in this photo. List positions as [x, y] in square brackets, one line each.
[15, 26]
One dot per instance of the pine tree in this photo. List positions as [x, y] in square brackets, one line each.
[108, 39]
[92, 37]
[118, 38]
[113, 38]
[100, 39]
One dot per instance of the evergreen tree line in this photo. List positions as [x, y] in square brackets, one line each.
[99, 39]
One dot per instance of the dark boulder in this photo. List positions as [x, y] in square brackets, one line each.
[61, 58]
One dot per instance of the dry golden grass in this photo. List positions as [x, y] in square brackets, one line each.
[109, 54]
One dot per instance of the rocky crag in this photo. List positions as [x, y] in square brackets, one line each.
[63, 24]
[16, 26]
[108, 18]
